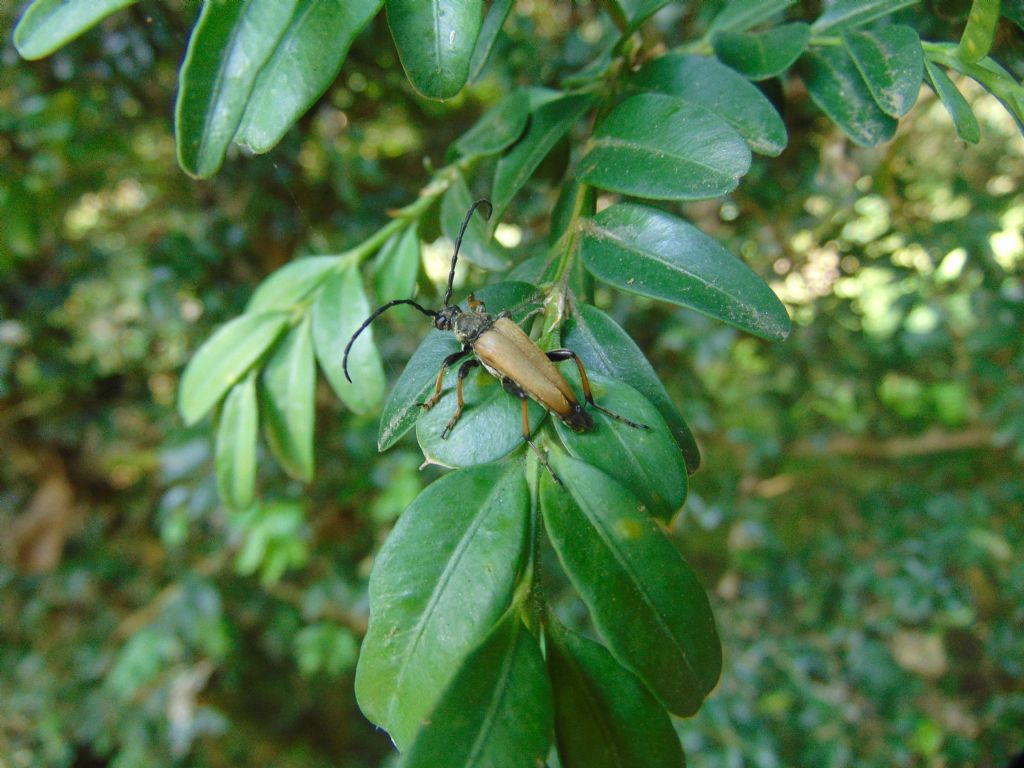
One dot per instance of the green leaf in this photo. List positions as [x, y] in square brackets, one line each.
[891, 62]
[662, 147]
[837, 88]
[604, 716]
[229, 45]
[339, 310]
[763, 55]
[652, 253]
[304, 63]
[489, 30]
[225, 358]
[607, 349]
[490, 428]
[435, 41]
[497, 711]
[647, 462]
[960, 111]
[291, 283]
[843, 14]
[397, 266]
[642, 596]
[235, 456]
[477, 245]
[637, 12]
[980, 31]
[275, 539]
[288, 400]
[442, 579]
[990, 75]
[741, 15]
[416, 383]
[414, 386]
[550, 122]
[50, 24]
[703, 81]
[501, 125]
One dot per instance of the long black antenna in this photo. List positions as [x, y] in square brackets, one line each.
[458, 242]
[377, 313]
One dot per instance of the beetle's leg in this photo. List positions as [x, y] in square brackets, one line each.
[514, 389]
[453, 357]
[464, 370]
[475, 305]
[559, 355]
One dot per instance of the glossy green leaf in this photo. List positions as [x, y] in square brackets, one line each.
[235, 456]
[892, 64]
[305, 62]
[435, 41]
[741, 15]
[607, 349]
[490, 426]
[533, 270]
[291, 283]
[976, 40]
[1001, 84]
[497, 711]
[229, 45]
[444, 576]
[414, 386]
[477, 245]
[843, 14]
[604, 716]
[765, 54]
[662, 147]
[642, 596]
[652, 253]
[645, 461]
[48, 25]
[549, 122]
[840, 92]
[225, 358]
[416, 383]
[397, 266]
[960, 111]
[703, 81]
[339, 310]
[489, 30]
[288, 388]
[990, 75]
[501, 125]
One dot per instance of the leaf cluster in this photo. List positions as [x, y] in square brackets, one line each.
[452, 664]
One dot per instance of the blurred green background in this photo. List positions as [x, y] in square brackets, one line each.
[857, 520]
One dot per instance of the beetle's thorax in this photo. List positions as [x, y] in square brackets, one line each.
[469, 325]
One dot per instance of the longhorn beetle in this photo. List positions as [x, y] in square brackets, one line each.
[507, 353]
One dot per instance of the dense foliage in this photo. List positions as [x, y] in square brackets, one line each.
[856, 516]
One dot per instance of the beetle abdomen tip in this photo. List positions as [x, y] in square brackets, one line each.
[578, 420]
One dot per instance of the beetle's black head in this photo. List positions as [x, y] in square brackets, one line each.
[445, 319]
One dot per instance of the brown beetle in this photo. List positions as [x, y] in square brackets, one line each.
[507, 353]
